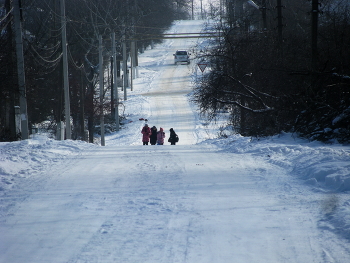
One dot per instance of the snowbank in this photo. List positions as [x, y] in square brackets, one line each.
[321, 165]
[28, 158]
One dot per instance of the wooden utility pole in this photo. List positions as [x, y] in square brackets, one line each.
[10, 122]
[132, 75]
[90, 102]
[82, 107]
[192, 10]
[20, 70]
[112, 81]
[65, 71]
[101, 78]
[125, 69]
[115, 87]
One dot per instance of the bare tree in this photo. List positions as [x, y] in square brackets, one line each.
[267, 93]
[86, 20]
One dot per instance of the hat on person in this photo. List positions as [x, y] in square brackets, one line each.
[161, 129]
[146, 125]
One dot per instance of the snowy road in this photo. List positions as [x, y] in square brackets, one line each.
[188, 203]
[166, 204]
[168, 97]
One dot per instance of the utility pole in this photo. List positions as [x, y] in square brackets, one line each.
[101, 77]
[134, 45]
[20, 70]
[125, 68]
[125, 59]
[132, 73]
[133, 63]
[82, 107]
[192, 11]
[115, 87]
[65, 70]
[13, 124]
[112, 81]
[90, 99]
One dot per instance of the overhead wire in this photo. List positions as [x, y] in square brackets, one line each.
[72, 60]
[45, 59]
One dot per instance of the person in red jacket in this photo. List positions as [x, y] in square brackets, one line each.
[146, 131]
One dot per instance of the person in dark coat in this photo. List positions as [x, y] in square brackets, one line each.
[146, 133]
[173, 138]
[153, 137]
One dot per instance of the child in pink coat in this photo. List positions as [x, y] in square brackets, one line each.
[160, 136]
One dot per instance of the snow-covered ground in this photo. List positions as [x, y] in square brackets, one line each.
[207, 199]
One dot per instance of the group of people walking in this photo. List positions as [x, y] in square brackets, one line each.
[154, 136]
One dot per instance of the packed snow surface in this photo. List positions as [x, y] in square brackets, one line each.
[210, 198]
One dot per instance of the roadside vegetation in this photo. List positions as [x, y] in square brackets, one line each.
[278, 65]
[271, 75]
[86, 19]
